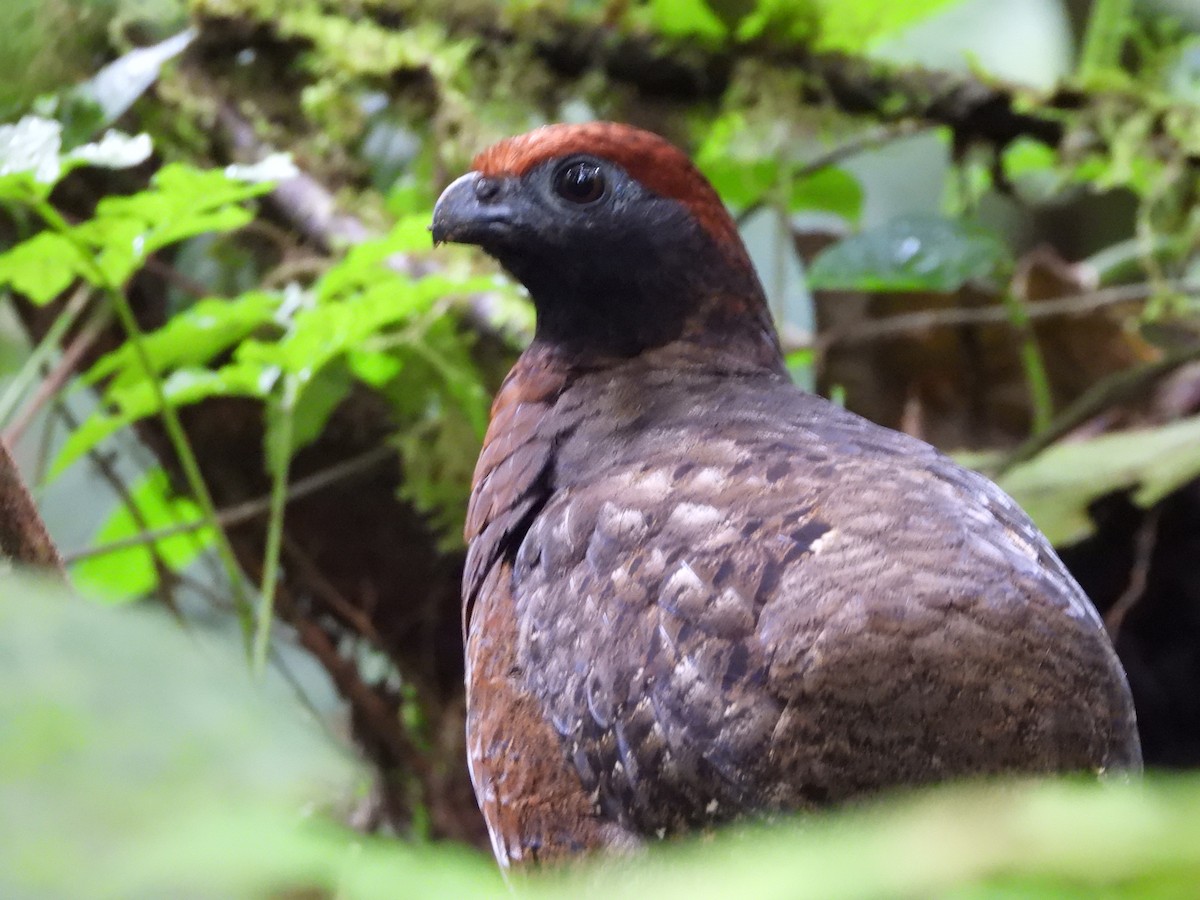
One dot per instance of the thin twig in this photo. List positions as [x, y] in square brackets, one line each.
[329, 593]
[1139, 573]
[52, 383]
[49, 343]
[185, 283]
[45, 445]
[250, 509]
[379, 718]
[103, 465]
[279, 434]
[1071, 305]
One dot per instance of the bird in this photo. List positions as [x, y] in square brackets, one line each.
[695, 593]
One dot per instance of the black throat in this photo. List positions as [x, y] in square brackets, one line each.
[622, 304]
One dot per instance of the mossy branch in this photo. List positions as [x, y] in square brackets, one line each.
[976, 109]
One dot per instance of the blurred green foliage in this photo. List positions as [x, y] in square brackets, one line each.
[140, 760]
[198, 781]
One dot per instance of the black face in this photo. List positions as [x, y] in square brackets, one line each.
[610, 265]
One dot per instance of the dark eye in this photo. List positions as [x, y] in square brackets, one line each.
[579, 182]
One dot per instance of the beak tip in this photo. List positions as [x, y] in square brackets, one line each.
[438, 228]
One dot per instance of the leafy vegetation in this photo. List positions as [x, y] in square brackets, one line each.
[297, 351]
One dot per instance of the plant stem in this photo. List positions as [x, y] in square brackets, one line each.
[57, 376]
[1032, 362]
[28, 373]
[279, 436]
[170, 418]
[1104, 38]
[248, 510]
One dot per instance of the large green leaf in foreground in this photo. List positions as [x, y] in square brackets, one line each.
[136, 761]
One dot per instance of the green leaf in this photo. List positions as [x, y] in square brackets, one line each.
[739, 168]
[444, 408]
[450, 357]
[1057, 485]
[310, 410]
[745, 170]
[182, 202]
[323, 332]
[681, 19]
[912, 253]
[800, 359]
[741, 182]
[140, 760]
[187, 189]
[1013, 840]
[375, 368]
[316, 404]
[854, 27]
[1025, 156]
[830, 190]
[439, 456]
[1034, 169]
[128, 574]
[170, 231]
[781, 21]
[191, 338]
[41, 267]
[131, 402]
[411, 233]
[366, 263]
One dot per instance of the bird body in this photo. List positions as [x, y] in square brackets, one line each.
[695, 593]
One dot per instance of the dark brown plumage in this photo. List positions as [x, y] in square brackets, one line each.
[696, 593]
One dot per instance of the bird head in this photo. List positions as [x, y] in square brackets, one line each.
[620, 240]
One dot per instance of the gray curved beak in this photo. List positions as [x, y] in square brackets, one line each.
[471, 211]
